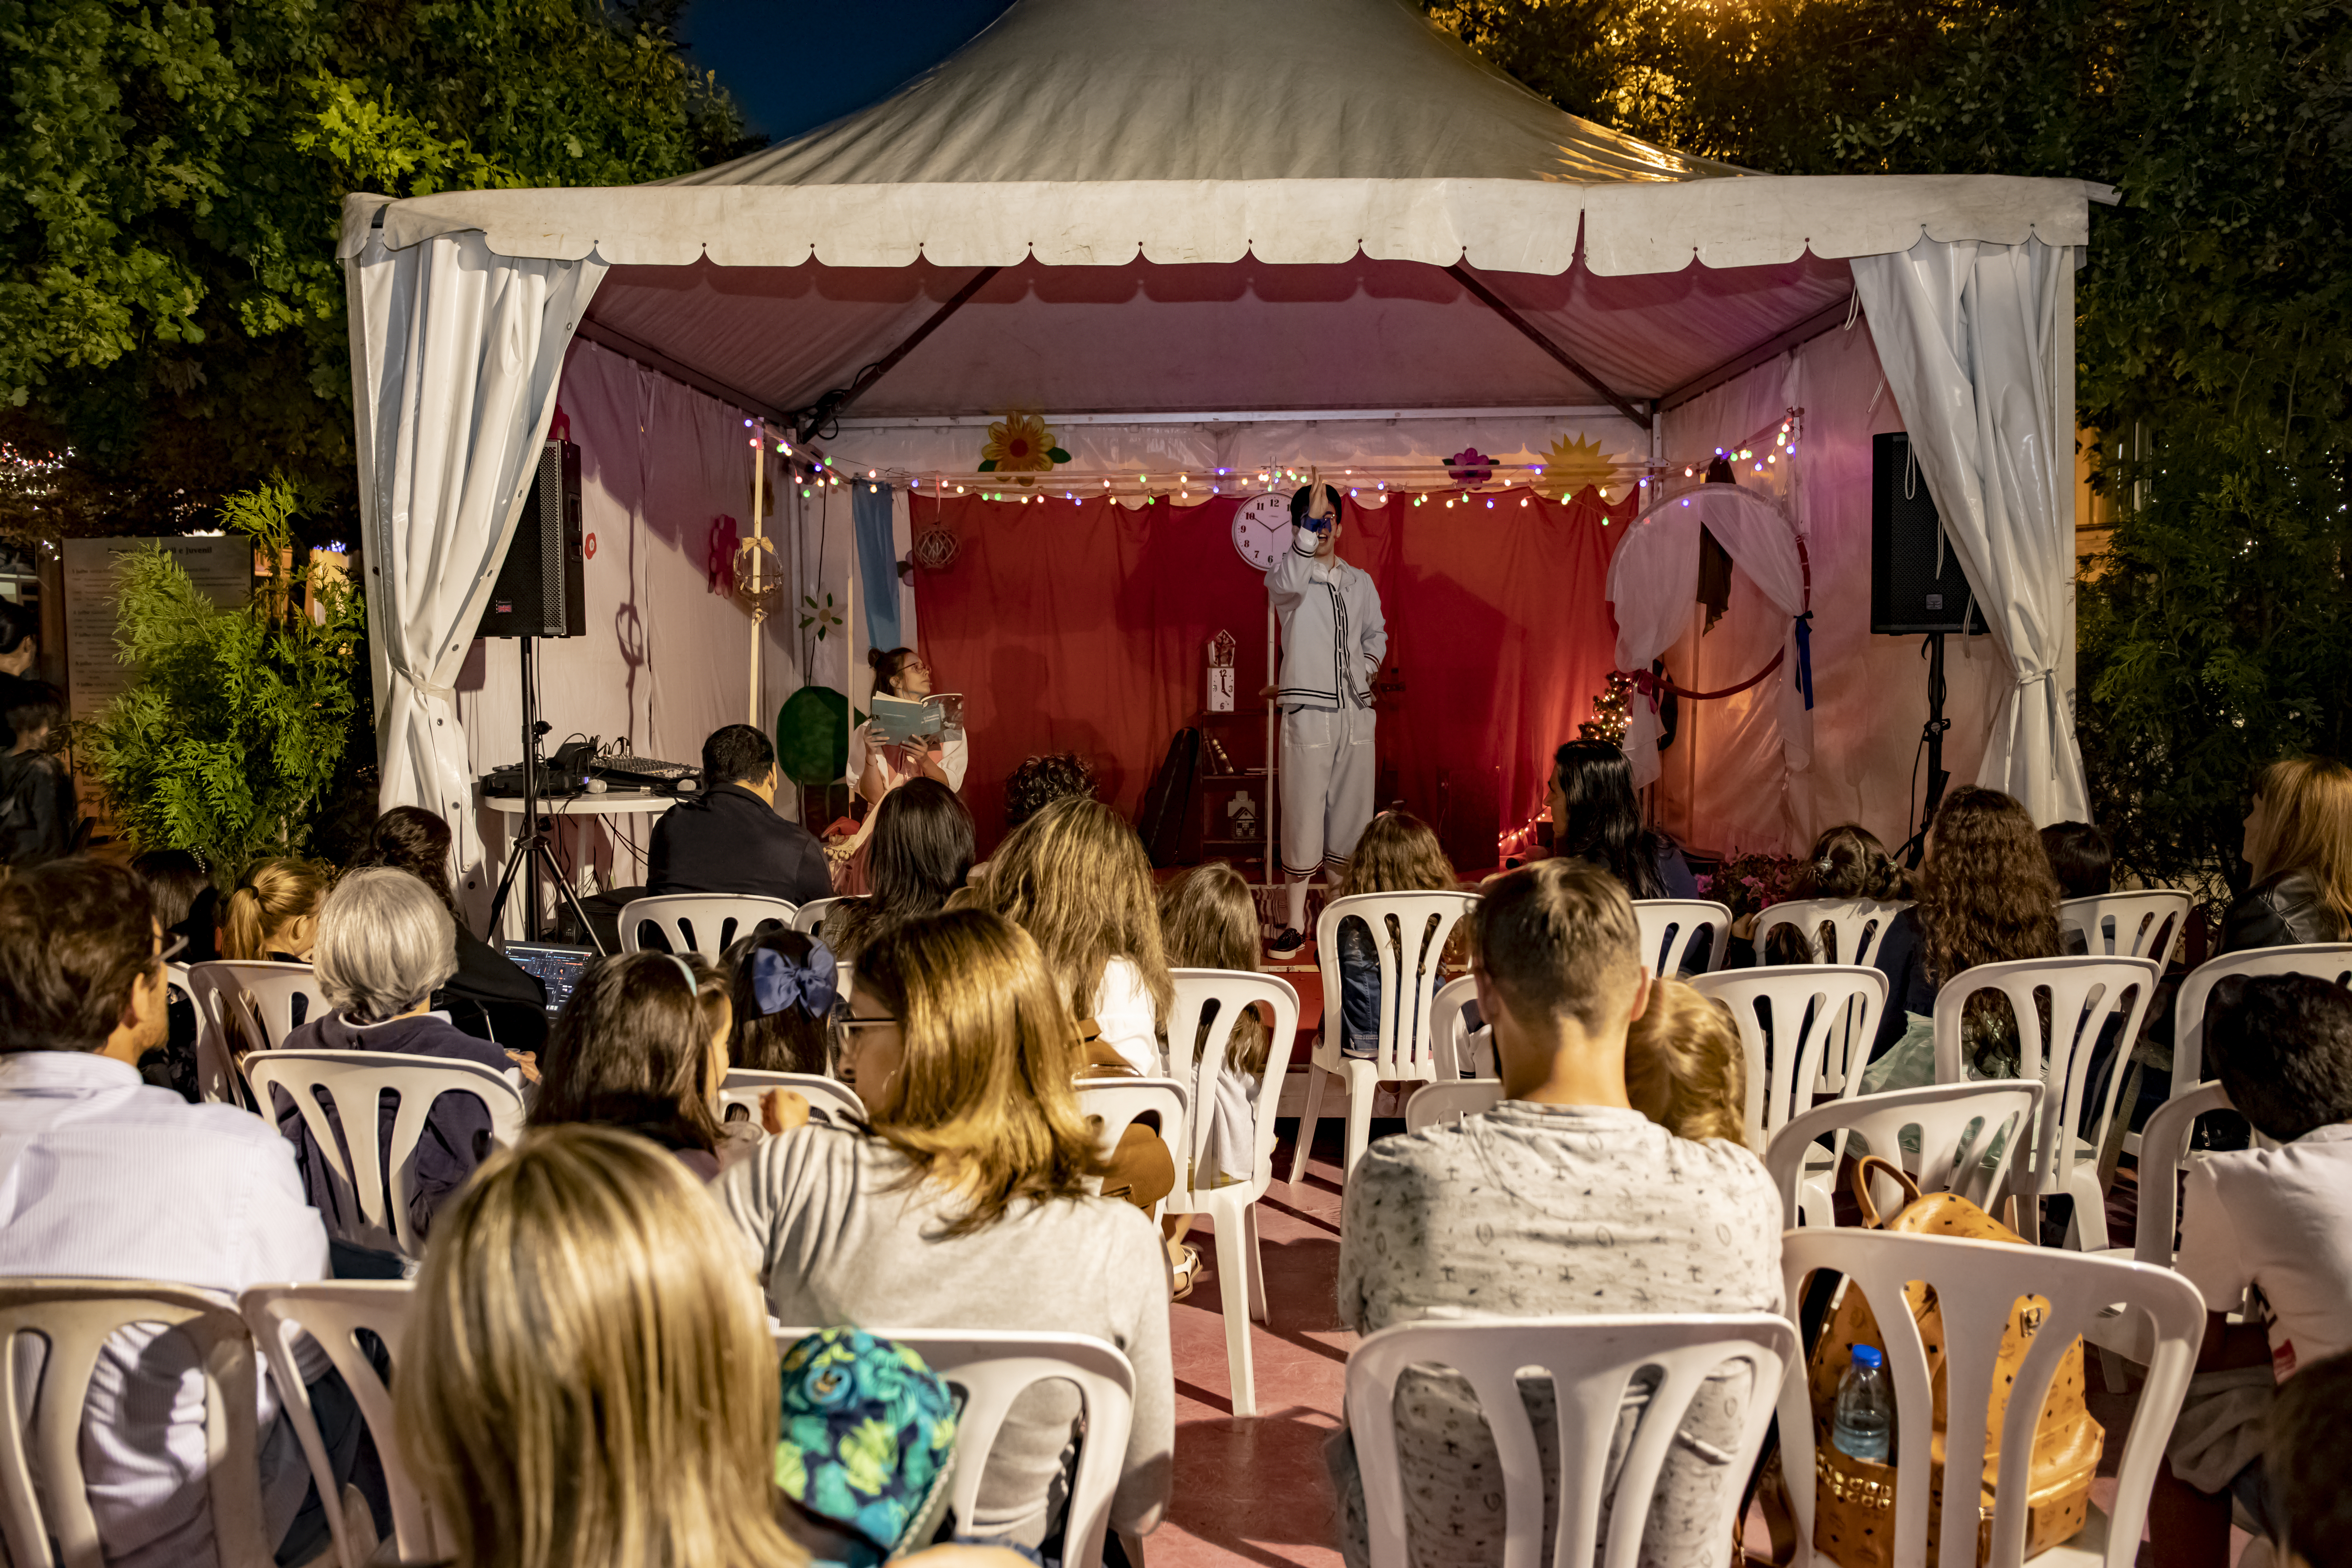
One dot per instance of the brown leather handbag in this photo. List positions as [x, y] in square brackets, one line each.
[1854, 1498]
[1140, 1170]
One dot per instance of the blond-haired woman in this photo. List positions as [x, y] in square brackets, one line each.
[965, 1204]
[588, 1381]
[2299, 844]
[1075, 877]
[274, 912]
[1685, 1068]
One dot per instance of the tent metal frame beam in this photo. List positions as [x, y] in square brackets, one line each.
[1236, 416]
[1827, 319]
[653, 359]
[827, 410]
[1528, 330]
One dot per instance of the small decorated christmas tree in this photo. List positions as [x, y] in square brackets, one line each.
[1610, 711]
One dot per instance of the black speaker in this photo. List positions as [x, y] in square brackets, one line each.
[540, 591]
[1908, 596]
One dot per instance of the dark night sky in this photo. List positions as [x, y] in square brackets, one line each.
[795, 66]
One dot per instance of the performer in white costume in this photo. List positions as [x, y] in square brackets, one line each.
[1333, 639]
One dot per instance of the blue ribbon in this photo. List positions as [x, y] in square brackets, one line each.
[1805, 658]
[777, 983]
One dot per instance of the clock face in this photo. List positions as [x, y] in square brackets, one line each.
[1262, 529]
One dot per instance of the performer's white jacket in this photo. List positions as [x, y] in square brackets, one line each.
[1333, 636]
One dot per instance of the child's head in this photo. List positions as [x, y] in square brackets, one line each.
[1398, 854]
[1685, 1068]
[635, 1047]
[1039, 782]
[275, 908]
[784, 984]
[1209, 920]
[1849, 862]
[2079, 857]
[33, 711]
[2282, 1045]
[2306, 1456]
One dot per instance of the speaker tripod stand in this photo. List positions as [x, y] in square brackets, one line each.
[533, 850]
[1931, 737]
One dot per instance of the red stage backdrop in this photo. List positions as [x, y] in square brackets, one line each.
[1083, 627]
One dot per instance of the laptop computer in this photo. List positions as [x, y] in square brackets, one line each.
[559, 968]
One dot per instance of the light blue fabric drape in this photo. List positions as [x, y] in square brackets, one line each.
[878, 563]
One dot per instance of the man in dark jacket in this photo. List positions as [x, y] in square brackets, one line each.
[731, 840]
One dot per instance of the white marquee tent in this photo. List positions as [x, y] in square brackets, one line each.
[1265, 228]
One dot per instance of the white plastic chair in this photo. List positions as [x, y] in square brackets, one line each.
[40, 1444]
[2143, 924]
[2328, 961]
[1410, 974]
[244, 1005]
[1854, 927]
[1977, 1284]
[1956, 1123]
[811, 916]
[1812, 1004]
[2084, 993]
[357, 1082]
[1120, 1100]
[1452, 1037]
[1445, 1104]
[1233, 1210]
[703, 923]
[332, 1313]
[1592, 1362]
[994, 1367]
[2164, 1148]
[745, 1086]
[1667, 926]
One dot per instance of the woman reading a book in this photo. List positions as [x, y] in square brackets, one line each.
[888, 750]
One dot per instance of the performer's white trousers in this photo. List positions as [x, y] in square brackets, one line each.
[1328, 776]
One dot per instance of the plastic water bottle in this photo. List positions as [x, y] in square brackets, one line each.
[1863, 1426]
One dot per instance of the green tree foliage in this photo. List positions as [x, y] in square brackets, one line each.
[171, 182]
[2215, 313]
[238, 724]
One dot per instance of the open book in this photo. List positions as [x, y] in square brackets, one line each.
[903, 721]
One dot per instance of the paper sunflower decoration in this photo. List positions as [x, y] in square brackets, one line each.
[1021, 444]
[1470, 467]
[1573, 463]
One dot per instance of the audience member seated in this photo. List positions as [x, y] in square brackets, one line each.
[1986, 896]
[384, 945]
[1075, 877]
[729, 839]
[1685, 1068]
[1604, 1211]
[966, 1205]
[2081, 858]
[1397, 854]
[2310, 1453]
[1596, 816]
[273, 915]
[185, 904]
[587, 1379]
[918, 853]
[1846, 862]
[106, 1177]
[39, 818]
[1040, 781]
[637, 1048]
[2277, 1221]
[490, 996]
[2299, 845]
[783, 985]
[20, 641]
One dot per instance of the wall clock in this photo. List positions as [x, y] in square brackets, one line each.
[1262, 529]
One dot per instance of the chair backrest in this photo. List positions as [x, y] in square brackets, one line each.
[1591, 1363]
[2330, 961]
[1459, 1048]
[1411, 969]
[1813, 1006]
[356, 1082]
[811, 915]
[1978, 1284]
[1955, 1125]
[1835, 931]
[334, 1313]
[1120, 1100]
[994, 1367]
[76, 1318]
[2163, 1150]
[1669, 925]
[704, 924]
[2141, 924]
[244, 1005]
[1228, 991]
[2083, 995]
[1446, 1103]
[745, 1086]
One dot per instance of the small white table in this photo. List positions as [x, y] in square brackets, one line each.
[613, 803]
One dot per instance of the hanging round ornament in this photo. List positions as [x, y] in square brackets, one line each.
[759, 576]
[935, 548]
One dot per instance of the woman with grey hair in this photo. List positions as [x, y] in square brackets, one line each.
[384, 944]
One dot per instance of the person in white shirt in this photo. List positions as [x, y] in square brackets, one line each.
[2276, 1221]
[103, 1176]
[1333, 639]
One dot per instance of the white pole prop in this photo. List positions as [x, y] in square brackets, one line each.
[759, 501]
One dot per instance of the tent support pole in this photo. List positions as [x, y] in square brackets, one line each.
[1526, 330]
[759, 499]
[833, 403]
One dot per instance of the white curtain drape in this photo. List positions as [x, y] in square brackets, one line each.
[1653, 581]
[1977, 341]
[455, 353]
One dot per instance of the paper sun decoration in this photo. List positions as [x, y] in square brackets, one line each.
[1573, 463]
[1020, 444]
